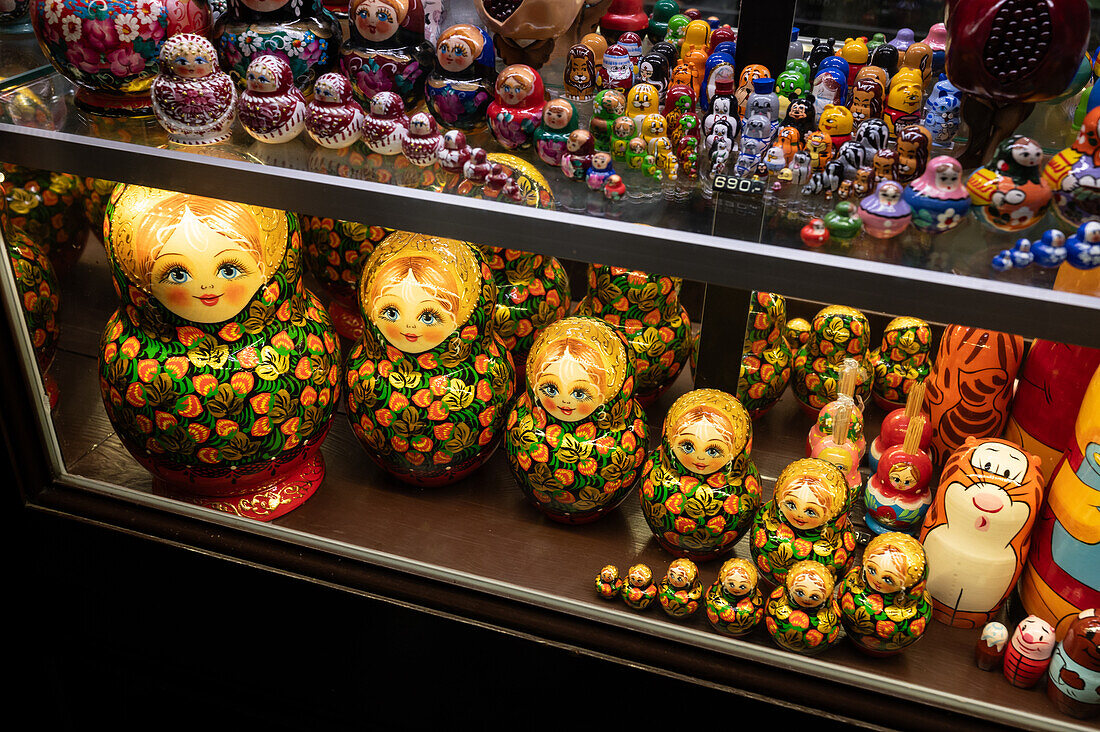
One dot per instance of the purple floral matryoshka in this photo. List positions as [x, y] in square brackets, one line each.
[460, 88]
[383, 54]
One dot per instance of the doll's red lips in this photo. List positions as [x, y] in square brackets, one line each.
[210, 300]
[565, 410]
[411, 337]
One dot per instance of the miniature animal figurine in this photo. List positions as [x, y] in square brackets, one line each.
[801, 614]
[423, 142]
[608, 583]
[581, 80]
[844, 222]
[639, 590]
[837, 123]
[680, 590]
[333, 118]
[386, 124]
[1073, 678]
[912, 148]
[734, 603]
[904, 99]
[942, 113]
[868, 96]
[1028, 654]
[989, 653]
[193, 100]
[271, 108]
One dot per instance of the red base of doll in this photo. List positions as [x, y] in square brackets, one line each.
[346, 321]
[53, 391]
[114, 105]
[263, 495]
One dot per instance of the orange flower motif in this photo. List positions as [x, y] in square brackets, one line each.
[485, 437]
[242, 382]
[309, 396]
[422, 443]
[422, 398]
[230, 332]
[147, 369]
[248, 358]
[135, 394]
[799, 619]
[189, 406]
[675, 503]
[290, 427]
[384, 417]
[684, 525]
[564, 476]
[814, 638]
[177, 366]
[283, 313]
[437, 411]
[885, 628]
[165, 421]
[261, 427]
[398, 401]
[414, 457]
[198, 432]
[468, 333]
[188, 334]
[481, 363]
[131, 347]
[486, 416]
[208, 455]
[587, 466]
[204, 384]
[441, 457]
[540, 454]
[484, 390]
[366, 370]
[802, 548]
[144, 423]
[716, 525]
[303, 370]
[784, 532]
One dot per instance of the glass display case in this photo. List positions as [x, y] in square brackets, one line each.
[472, 569]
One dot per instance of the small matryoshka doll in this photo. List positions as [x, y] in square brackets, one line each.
[617, 70]
[978, 530]
[429, 381]
[576, 438]
[646, 309]
[837, 332]
[48, 207]
[848, 376]
[642, 100]
[383, 54]
[836, 122]
[970, 386]
[680, 590]
[460, 87]
[885, 213]
[700, 487]
[335, 252]
[938, 199]
[766, 356]
[220, 370]
[1073, 679]
[806, 519]
[517, 109]
[898, 495]
[912, 148]
[801, 614]
[883, 602]
[37, 287]
[639, 590]
[903, 359]
[884, 163]
[989, 653]
[271, 108]
[579, 149]
[749, 74]
[653, 69]
[608, 583]
[1008, 193]
[1027, 656]
[250, 28]
[734, 602]
[581, 81]
[559, 120]
[193, 99]
[532, 292]
[609, 105]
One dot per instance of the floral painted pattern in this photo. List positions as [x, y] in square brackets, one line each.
[732, 615]
[766, 356]
[776, 546]
[38, 293]
[397, 70]
[837, 333]
[883, 624]
[48, 207]
[459, 104]
[646, 309]
[799, 629]
[308, 53]
[335, 251]
[96, 194]
[903, 359]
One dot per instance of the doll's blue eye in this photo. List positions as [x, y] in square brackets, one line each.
[177, 276]
[714, 452]
[549, 390]
[389, 313]
[200, 59]
[687, 448]
[428, 317]
[229, 271]
[580, 395]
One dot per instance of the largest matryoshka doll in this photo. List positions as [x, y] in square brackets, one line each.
[429, 382]
[383, 53]
[700, 487]
[577, 437]
[646, 308]
[219, 370]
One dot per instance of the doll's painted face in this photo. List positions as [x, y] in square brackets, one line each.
[800, 504]
[567, 390]
[702, 443]
[376, 20]
[885, 571]
[192, 60]
[948, 177]
[556, 115]
[455, 54]
[513, 89]
[906, 96]
[903, 477]
[414, 306]
[264, 6]
[639, 575]
[262, 76]
[736, 581]
[681, 574]
[807, 590]
[203, 276]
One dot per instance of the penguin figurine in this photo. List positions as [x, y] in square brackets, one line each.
[334, 119]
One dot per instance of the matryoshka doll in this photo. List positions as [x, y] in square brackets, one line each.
[837, 449]
[559, 120]
[680, 590]
[1027, 656]
[220, 370]
[938, 200]
[896, 423]
[978, 530]
[766, 355]
[616, 71]
[37, 286]
[801, 614]
[577, 437]
[646, 309]
[460, 87]
[868, 96]
[970, 386]
[897, 495]
[903, 359]
[806, 519]
[609, 105]
[837, 332]
[734, 602]
[700, 487]
[429, 381]
[250, 28]
[883, 602]
[825, 426]
[48, 207]
[912, 148]
[579, 149]
[904, 99]
[989, 652]
[383, 54]
[194, 101]
[335, 252]
[608, 583]
[1074, 174]
[1073, 678]
[517, 109]
[639, 590]
[532, 292]
[1008, 193]
[885, 214]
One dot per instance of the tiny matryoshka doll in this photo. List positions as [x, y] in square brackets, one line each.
[517, 109]
[866, 101]
[383, 54]
[806, 519]
[609, 105]
[978, 530]
[801, 614]
[577, 437]
[251, 28]
[1028, 653]
[460, 87]
[970, 386]
[734, 602]
[766, 356]
[903, 359]
[912, 148]
[646, 309]
[937, 198]
[271, 108]
[700, 487]
[904, 99]
[429, 381]
[37, 286]
[883, 602]
[989, 652]
[1008, 193]
[837, 332]
[898, 495]
[1073, 678]
[532, 292]
[680, 590]
[885, 213]
[608, 583]
[559, 120]
[639, 590]
[220, 370]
